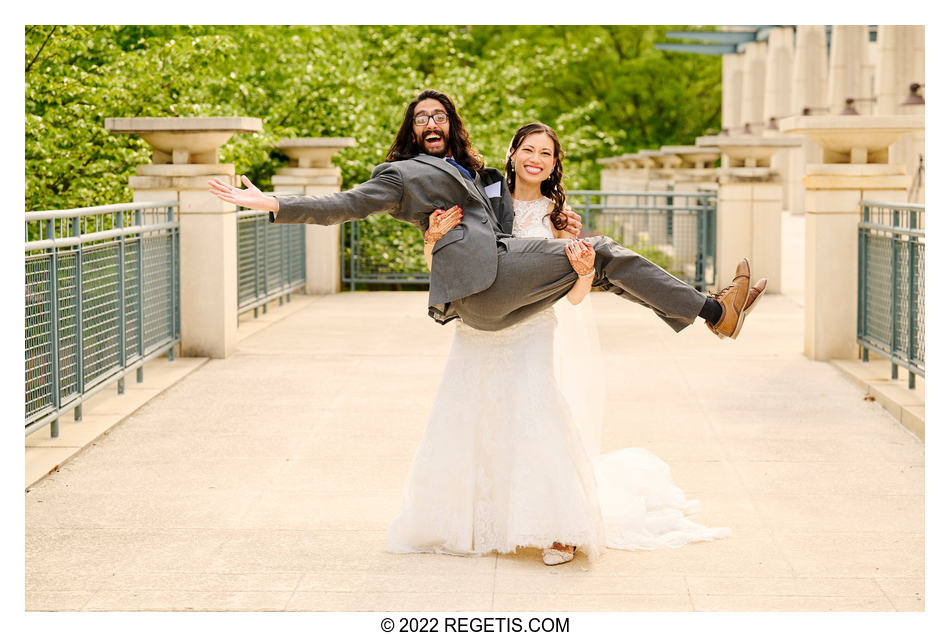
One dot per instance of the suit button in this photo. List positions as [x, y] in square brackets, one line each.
[485, 220]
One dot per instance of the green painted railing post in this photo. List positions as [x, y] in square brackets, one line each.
[912, 297]
[80, 341]
[173, 278]
[140, 314]
[120, 223]
[54, 327]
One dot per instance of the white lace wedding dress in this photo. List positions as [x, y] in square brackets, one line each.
[507, 461]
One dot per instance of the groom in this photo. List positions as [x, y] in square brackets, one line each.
[480, 273]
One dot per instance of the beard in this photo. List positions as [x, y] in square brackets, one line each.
[423, 148]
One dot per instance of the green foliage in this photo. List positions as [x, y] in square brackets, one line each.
[388, 246]
[604, 88]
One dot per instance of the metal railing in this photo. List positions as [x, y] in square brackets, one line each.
[375, 251]
[891, 285]
[676, 230]
[271, 261]
[102, 299]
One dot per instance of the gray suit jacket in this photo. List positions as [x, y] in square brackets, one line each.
[465, 260]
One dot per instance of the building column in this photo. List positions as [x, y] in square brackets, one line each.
[753, 86]
[849, 69]
[732, 64]
[311, 173]
[184, 159]
[778, 100]
[855, 150]
[900, 64]
[809, 89]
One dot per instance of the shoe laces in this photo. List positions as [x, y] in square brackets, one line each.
[721, 293]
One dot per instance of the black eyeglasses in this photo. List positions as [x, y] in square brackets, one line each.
[422, 120]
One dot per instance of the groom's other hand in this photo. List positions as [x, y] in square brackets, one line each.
[574, 222]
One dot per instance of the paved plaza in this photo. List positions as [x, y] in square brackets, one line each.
[265, 481]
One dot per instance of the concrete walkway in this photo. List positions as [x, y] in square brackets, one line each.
[266, 481]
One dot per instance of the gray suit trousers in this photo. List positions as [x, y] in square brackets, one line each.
[534, 273]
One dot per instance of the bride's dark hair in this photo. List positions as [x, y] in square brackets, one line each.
[552, 188]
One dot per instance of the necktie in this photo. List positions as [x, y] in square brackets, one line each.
[461, 168]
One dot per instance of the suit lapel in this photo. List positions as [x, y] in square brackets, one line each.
[441, 164]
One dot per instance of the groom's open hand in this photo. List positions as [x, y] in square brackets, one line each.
[250, 197]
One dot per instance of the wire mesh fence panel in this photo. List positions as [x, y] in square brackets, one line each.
[157, 303]
[100, 313]
[248, 282]
[38, 342]
[101, 289]
[918, 321]
[273, 234]
[131, 309]
[891, 245]
[68, 325]
[674, 230]
[271, 259]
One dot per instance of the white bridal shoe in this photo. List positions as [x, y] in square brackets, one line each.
[553, 557]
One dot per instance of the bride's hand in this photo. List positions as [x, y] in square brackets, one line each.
[441, 221]
[581, 255]
[574, 222]
[251, 197]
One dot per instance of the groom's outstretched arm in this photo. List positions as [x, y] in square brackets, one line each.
[382, 193]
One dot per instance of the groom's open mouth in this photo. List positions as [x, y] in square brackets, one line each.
[433, 139]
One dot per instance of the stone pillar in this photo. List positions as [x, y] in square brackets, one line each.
[749, 218]
[900, 64]
[849, 69]
[311, 173]
[778, 100]
[809, 89]
[753, 86]
[185, 154]
[732, 64]
[855, 151]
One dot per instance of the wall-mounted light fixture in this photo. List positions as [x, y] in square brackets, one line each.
[849, 104]
[913, 98]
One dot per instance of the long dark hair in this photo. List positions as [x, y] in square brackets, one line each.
[405, 147]
[552, 188]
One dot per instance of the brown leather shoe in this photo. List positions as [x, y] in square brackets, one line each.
[755, 293]
[733, 299]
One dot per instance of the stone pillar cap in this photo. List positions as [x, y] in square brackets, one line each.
[184, 140]
[710, 152]
[316, 142]
[744, 147]
[313, 152]
[687, 150]
[145, 125]
[863, 138]
[838, 132]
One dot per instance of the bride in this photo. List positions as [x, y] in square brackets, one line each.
[510, 457]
